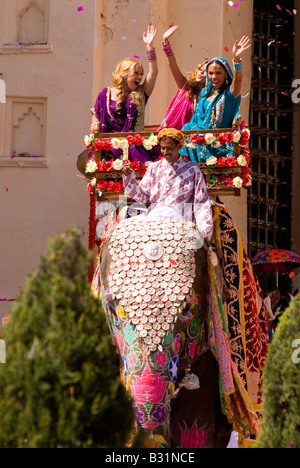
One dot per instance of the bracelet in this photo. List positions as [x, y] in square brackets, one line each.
[168, 49]
[238, 66]
[151, 55]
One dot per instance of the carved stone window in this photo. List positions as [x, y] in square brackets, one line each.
[32, 24]
[24, 133]
[25, 27]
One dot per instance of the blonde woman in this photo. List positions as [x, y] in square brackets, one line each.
[121, 108]
[184, 103]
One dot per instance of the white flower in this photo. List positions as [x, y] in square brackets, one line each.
[115, 143]
[94, 182]
[150, 142]
[91, 166]
[153, 139]
[148, 163]
[237, 182]
[124, 144]
[211, 161]
[118, 164]
[237, 137]
[217, 144]
[89, 140]
[209, 138]
[191, 145]
[147, 145]
[242, 161]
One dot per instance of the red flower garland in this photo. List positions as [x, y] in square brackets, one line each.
[135, 140]
[103, 144]
[92, 233]
[223, 138]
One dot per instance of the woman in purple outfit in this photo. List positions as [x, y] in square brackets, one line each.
[121, 108]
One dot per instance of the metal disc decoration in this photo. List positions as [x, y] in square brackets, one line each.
[152, 273]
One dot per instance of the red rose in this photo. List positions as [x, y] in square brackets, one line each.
[131, 140]
[230, 137]
[101, 186]
[143, 169]
[198, 140]
[222, 138]
[103, 144]
[136, 165]
[117, 188]
[201, 140]
[229, 180]
[245, 138]
[138, 140]
[110, 186]
[90, 188]
[100, 166]
[222, 161]
[231, 162]
[108, 165]
[193, 138]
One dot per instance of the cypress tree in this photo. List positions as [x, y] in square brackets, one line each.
[60, 386]
[281, 387]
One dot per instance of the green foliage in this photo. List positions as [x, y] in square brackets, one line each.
[281, 388]
[60, 385]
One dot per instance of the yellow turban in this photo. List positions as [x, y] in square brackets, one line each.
[172, 133]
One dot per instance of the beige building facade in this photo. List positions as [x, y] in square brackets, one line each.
[55, 57]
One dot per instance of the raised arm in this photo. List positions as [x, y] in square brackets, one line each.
[151, 77]
[238, 49]
[138, 192]
[179, 77]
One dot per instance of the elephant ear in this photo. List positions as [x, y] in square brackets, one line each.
[152, 273]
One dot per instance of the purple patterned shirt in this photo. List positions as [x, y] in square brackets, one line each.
[180, 185]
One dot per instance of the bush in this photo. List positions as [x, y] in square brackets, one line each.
[60, 385]
[281, 387]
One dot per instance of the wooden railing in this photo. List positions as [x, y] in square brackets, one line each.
[214, 189]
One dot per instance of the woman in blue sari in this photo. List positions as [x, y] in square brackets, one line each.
[219, 101]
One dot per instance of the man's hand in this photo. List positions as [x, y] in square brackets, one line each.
[127, 168]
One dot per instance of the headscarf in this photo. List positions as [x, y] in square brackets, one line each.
[172, 133]
[224, 64]
[218, 104]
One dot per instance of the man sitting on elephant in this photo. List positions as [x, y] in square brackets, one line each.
[174, 186]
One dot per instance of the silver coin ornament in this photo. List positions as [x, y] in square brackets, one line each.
[152, 271]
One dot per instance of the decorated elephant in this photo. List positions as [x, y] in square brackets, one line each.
[164, 298]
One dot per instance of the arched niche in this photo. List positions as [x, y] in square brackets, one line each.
[32, 23]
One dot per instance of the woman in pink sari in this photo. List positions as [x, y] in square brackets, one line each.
[184, 103]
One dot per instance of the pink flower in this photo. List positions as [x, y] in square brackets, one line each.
[161, 359]
[192, 348]
[148, 387]
[194, 437]
[132, 360]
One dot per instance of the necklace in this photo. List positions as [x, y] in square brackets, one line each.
[214, 92]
